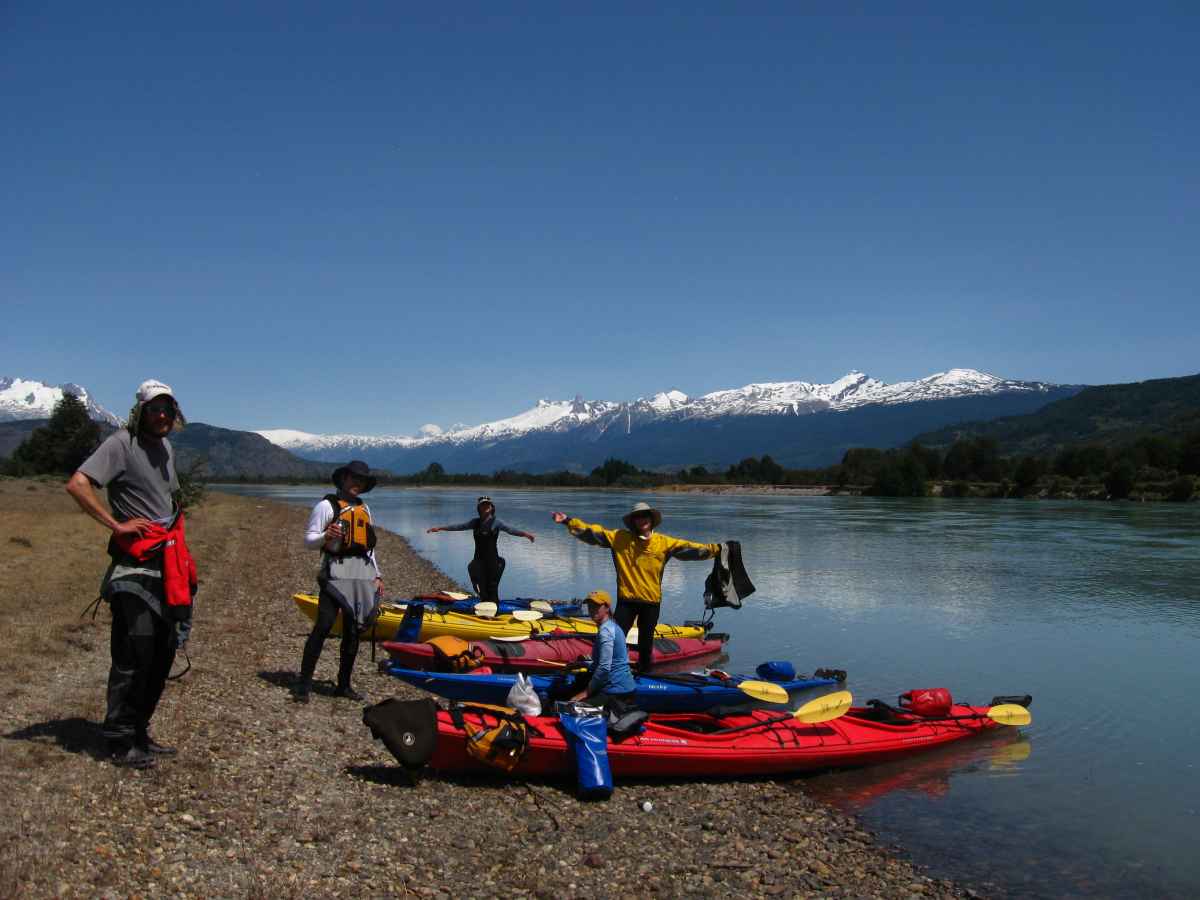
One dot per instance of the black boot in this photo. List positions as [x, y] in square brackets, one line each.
[301, 690]
[130, 756]
[153, 747]
[349, 693]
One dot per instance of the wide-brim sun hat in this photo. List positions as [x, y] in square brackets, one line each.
[358, 468]
[638, 508]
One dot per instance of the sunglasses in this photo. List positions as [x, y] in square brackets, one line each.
[160, 409]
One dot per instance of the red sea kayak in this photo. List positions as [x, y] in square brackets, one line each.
[550, 652]
[697, 745]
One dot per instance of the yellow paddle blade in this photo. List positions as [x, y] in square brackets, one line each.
[823, 709]
[526, 615]
[487, 609]
[763, 690]
[542, 606]
[1010, 714]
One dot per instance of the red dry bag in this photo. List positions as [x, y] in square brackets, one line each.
[929, 702]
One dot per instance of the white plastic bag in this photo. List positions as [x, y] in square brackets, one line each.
[522, 696]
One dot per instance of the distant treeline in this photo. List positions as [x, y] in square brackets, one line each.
[1150, 466]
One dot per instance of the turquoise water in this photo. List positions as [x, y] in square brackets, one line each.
[1092, 608]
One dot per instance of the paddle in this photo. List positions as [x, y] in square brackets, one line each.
[486, 609]
[544, 606]
[763, 690]
[823, 709]
[1002, 714]
[526, 615]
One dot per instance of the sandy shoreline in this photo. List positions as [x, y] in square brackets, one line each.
[270, 799]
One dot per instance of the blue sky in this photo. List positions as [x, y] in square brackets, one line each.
[367, 217]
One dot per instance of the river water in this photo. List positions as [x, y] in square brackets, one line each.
[1093, 608]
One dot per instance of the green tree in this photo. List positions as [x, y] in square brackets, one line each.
[1119, 480]
[1026, 476]
[614, 470]
[62, 444]
[900, 476]
[1182, 489]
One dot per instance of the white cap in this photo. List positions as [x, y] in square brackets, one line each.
[152, 388]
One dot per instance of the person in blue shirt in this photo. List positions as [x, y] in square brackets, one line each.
[609, 677]
[486, 568]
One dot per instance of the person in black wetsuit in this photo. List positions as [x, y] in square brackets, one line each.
[487, 566]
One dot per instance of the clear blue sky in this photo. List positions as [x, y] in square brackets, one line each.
[370, 216]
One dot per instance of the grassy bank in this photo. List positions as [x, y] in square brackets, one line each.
[270, 799]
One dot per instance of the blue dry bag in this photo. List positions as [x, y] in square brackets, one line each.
[588, 736]
[776, 670]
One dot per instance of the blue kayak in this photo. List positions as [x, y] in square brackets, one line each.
[683, 692]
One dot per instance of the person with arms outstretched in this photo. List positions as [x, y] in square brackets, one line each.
[487, 566]
[640, 554]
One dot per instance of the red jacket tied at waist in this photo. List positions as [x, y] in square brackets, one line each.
[178, 567]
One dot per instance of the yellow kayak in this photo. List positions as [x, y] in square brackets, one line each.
[476, 628]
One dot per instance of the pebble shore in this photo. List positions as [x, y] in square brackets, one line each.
[268, 798]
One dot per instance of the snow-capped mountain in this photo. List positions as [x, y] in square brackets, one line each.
[570, 432]
[21, 398]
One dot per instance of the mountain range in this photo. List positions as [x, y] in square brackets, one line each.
[21, 399]
[799, 423]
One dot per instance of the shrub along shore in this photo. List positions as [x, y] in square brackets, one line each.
[270, 799]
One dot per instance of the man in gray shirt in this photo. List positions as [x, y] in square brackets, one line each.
[137, 467]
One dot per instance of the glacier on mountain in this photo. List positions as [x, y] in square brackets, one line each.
[22, 398]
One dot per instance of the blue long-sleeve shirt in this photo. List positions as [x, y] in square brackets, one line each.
[610, 662]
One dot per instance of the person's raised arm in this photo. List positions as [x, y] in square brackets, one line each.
[690, 550]
[462, 526]
[595, 535]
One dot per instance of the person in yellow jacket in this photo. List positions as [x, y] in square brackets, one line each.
[640, 554]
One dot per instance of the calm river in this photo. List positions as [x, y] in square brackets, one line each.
[1092, 608]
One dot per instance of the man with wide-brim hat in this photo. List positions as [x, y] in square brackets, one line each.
[640, 554]
[349, 579]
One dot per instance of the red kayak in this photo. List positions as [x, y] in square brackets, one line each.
[701, 745]
[550, 652]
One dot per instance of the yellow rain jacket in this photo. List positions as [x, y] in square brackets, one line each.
[640, 563]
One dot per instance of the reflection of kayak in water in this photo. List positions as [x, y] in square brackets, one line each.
[550, 652]
[470, 627]
[929, 775]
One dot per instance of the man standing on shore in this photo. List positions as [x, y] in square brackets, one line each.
[152, 579]
[640, 555]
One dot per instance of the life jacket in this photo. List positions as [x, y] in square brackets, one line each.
[501, 745]
[453, 654]
[359, 536]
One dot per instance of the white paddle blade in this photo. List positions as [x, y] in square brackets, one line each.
[456, 595]
[486, 609]
[526, 615]
[544, 606]
[632, 636]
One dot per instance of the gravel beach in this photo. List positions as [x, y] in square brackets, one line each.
[271, 799]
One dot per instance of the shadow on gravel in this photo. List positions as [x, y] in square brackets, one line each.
[75, 735]
[391, 776]
[286, 679]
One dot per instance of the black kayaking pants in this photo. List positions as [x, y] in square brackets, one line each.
[327, 610]
[646, 616]
[142, 645]
[485, 576]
